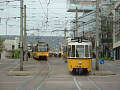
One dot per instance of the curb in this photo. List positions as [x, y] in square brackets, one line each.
[103, 73]
[21, 73]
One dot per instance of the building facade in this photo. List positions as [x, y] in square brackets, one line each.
[116, 32]
[106, 35]
[11, 45]
[87, 28]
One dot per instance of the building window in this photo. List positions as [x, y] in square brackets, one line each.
[119, 11]
[13, 47]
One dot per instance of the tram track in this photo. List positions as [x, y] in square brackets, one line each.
[32, 81]
[76, 83]
[94, 84]
[43, 77]
[46, 77]
[89, 82]
[42, 82]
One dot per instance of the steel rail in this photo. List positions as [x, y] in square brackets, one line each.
[46, 77]
[76, 83]
[31, 79]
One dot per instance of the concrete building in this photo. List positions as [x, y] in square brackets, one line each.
[11, 45]
[106, 35]
[87, 24]
[85, 5]
[116, 31]
[82, 5]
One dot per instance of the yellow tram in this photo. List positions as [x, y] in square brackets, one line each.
[41, 51]
[79, 59]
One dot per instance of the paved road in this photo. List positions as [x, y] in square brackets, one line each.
[7, 64]
[53, 75]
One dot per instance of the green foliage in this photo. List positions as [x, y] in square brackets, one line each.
[106, 58]
[1, 44]
[17, 54]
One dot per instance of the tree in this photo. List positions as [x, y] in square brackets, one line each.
[1, 44]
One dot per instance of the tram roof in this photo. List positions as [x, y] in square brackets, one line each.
[79, 43]
[42, 43]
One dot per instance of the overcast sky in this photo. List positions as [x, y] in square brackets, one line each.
[36, 17]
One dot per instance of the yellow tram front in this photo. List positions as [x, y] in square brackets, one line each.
[79, 59]
[41, 51]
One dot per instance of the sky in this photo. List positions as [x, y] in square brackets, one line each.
[58, 17]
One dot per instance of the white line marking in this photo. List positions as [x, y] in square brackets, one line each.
[94, 84]
[76, 83]
[38, 88]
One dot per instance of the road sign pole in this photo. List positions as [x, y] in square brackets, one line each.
[101, 62]
[97, 34]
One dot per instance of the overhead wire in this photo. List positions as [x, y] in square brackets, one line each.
[42, 8]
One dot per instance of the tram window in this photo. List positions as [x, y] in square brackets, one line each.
[90, 48]
[80, 51]
[73, 50]
[86, 51]
[69, 51]
[42, 48]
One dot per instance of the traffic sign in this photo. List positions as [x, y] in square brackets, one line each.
[101, 61]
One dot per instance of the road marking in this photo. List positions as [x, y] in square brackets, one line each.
[29, 80]
[46, 77]
[98, 88]
[76, 83]
[42, 82]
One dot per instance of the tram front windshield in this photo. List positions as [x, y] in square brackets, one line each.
[42, 48]
[80, 51]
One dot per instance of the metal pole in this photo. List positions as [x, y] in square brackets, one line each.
[25, 35]
[6, 25]
[76, 22]
[97, 34]
[21, 35]
[83, 30]
[65, 37]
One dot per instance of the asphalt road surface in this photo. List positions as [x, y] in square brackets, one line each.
[54, 75]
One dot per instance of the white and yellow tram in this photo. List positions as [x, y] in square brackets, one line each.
[79, 57]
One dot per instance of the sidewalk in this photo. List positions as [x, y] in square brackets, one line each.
[30, 68]
[108, 68]
[117, 62]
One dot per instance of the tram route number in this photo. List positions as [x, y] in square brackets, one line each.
[101, 61]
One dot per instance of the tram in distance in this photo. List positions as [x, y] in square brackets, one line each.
[41, 51]
[79, 59]
[65, 51]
